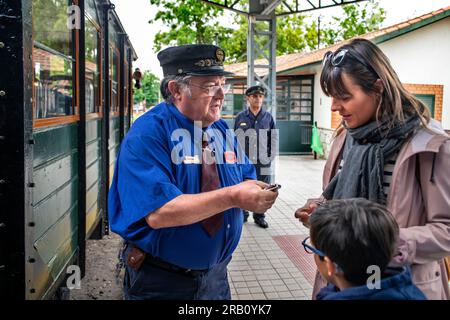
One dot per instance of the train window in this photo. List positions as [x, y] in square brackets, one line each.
[50, 25]
[114, 74]
[91, 10]
[127, 88]
[53, 61]
[93, 66]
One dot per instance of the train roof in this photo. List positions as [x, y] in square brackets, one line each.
[119, 24]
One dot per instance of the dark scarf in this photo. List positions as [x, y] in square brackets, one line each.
[369, 148]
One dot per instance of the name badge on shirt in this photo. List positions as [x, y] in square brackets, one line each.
[191, 160]
[243, 124]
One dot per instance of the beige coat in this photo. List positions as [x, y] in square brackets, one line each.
[422, 209]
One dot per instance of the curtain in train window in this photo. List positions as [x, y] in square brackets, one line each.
[93, 65]
[53, 60]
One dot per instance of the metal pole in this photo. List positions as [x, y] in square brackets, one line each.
[122, 88]
[106, 108]
[16, 156]
[318, 32]
[82, 143]
[250, 56]
[273, 66]
[130, 88]
[261, 52]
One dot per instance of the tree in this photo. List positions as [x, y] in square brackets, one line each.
[189, 21]
[193, 21]
[149, 91]
[291, 37]
[50, 25]
[357, 20]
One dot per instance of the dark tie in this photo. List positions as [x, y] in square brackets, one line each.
[210, 182]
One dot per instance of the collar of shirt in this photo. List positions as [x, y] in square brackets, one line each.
[186, 123]
[250, 114]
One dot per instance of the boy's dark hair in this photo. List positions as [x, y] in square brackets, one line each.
[355, 234]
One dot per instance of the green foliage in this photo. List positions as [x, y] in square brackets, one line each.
[193, 21]
[235, 45]
[291, 31]
[356, 20]
[50, 25]
[292, 37]
[189, 21]
[149, 91]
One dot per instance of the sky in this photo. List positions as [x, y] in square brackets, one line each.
[135, 14]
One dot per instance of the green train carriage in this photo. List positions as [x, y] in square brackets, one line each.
[65, 105]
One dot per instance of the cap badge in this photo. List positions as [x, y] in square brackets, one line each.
[220, 55]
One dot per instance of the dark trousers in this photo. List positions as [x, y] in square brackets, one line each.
[262, 178]
[153, 283]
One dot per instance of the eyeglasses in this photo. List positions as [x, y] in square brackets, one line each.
[212, 90]
[306, 243]
[311, 250]
[338, 57]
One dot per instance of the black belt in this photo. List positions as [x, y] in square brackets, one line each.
[157, 262]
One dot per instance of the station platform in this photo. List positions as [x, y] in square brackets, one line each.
[267, 264]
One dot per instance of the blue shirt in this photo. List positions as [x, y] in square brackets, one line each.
[157, 162]
[397, 285]
[246, 120]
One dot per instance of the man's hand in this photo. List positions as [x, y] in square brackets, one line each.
[192, 208]
[251, 196]
[304, 212]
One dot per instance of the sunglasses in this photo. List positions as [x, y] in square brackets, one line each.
[337, 59]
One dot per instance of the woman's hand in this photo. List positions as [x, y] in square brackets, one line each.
[304, 212]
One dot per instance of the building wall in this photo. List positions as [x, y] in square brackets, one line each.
[422, 57]
[321, 102]
[429, 89]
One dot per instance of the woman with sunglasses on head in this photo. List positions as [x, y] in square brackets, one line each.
[388, 150]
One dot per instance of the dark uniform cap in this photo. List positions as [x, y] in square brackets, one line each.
[194, 60]
[255, 90]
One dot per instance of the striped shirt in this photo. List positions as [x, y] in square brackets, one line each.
[387, 172]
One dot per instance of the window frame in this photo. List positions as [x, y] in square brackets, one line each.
[116, 112]
[126, 88]
[427, 95]
[66, 119]
[99, 111]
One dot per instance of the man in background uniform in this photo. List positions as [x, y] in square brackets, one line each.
[253, 129]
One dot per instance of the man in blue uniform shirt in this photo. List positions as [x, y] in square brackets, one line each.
[180, 183]
[255, 129]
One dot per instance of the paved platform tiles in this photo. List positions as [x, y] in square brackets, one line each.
[271, 263]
